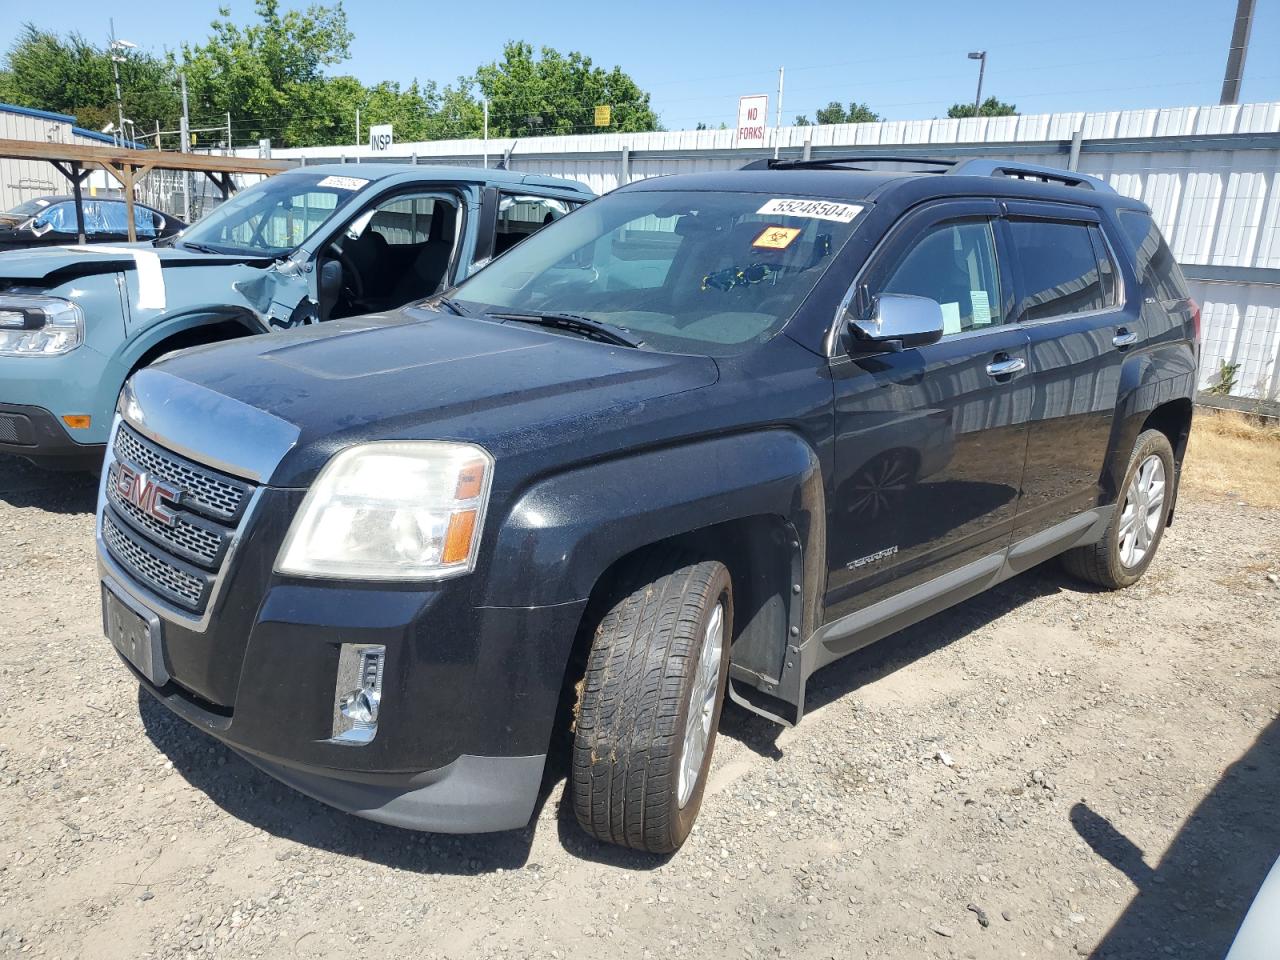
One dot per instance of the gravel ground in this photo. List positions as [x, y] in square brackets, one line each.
[1043, 771]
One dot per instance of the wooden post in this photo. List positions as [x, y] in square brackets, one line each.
[130, 178]
[72, 172]
[77, 182]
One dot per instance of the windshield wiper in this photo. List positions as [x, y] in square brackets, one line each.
[199, 247]
[594, 329]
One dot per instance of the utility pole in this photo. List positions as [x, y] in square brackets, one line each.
[486, 133]
[228, 133]
[184, 135]
[777, 124]
[117, 48]
[357, 126]
[1235, 56]
[981, 56]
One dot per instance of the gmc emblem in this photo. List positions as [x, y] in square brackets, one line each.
[153, 497]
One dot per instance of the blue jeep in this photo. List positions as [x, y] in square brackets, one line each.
[302, 247]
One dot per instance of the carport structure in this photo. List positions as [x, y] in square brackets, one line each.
[76, 161]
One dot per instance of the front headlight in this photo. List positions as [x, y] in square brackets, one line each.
[39, 326]
[392, 510]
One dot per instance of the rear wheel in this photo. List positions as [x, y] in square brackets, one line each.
[651, 702]
[1129, 544]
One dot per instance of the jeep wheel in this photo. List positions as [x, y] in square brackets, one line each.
[1137, 525]
[650, 702]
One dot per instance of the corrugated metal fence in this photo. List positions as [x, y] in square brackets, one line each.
[1211, 175]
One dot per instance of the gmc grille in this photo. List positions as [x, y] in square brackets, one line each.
[178, 561]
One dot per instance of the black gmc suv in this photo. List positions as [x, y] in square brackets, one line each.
[702, 436]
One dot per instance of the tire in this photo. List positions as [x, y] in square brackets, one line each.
[1108, 563]
[636, 701]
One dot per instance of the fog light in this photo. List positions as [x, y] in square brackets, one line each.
[358, 692]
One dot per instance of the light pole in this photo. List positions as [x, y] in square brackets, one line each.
[981, 56]
[118, 47]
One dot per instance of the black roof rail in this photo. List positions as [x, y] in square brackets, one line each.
[819, 163]
[965, 167]
[982, 167]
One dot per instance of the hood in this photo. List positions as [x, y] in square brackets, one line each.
[425, 376]
[55, 265]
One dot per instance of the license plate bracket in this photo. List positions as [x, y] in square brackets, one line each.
[134, 632]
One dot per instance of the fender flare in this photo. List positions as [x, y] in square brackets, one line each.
[1148, 380]
[563, 531]
[181, 323]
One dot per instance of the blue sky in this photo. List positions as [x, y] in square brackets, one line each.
[907, 60]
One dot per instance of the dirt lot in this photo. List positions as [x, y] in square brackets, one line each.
[1044, 771]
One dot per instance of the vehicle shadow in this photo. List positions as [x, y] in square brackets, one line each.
[1193, 901]
[873, 663]
[25, 485]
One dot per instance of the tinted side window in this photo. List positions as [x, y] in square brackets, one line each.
[1060, 274]
[955, 265]
[1156, 265]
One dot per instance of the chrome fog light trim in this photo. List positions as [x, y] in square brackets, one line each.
[357, 693]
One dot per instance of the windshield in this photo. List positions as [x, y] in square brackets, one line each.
[274, 216]
[30, 208]
[691, 272]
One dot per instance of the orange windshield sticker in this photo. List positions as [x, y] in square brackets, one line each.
[776, 238]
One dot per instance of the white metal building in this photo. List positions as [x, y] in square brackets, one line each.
[1211, 175]
[24, 179]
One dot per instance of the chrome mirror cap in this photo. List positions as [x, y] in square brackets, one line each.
[899, 321]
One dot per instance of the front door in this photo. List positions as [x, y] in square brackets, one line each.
[931, 441]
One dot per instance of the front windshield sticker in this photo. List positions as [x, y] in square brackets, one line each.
[812, 209]
[776, 238]
[343, 183]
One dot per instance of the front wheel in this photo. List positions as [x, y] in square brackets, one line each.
[650, 702]
[1129, 544]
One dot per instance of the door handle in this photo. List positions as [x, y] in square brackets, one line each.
[1124, 338]
[1005, 367]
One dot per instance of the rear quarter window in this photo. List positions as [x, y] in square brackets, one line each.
[1155, 264]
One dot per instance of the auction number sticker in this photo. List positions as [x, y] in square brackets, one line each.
[776, 238]
[812, 209]
[343, 183]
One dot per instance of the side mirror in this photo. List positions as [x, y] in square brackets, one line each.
[898, 322]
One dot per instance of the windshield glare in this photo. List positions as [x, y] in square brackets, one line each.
[274, 216]
[692, 272]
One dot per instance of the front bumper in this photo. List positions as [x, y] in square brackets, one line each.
[469, 700]
[33, 432]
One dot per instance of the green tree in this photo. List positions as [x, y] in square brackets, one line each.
[802, 121]
[270, 74]
[835, 112]
[991, 107]
[71, 75]
[555, 93]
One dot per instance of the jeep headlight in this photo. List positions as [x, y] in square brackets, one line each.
[392, 510]
[39, 326]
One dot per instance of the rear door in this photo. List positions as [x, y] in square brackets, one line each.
[930, 442]
[1080, 326]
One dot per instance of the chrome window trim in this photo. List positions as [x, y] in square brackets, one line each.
[834, 330]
